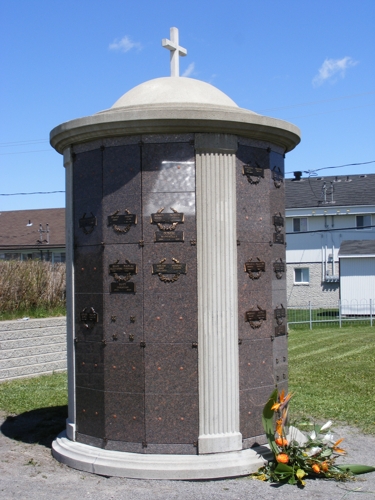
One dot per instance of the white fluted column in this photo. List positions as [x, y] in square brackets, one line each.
[68, 164]
[217, 294]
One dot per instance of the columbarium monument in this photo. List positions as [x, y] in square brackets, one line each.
[176, 289]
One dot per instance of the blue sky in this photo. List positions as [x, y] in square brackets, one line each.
[310, 62]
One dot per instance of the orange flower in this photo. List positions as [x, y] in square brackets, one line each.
[336, 449]
[283, 401]
[281, 441]
[279, 426]
[315, 468]
[324, 466]
[282, 458]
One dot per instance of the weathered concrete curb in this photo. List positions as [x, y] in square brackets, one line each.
[32, 347]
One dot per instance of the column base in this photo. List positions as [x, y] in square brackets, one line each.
[142, 466]
[220, 443]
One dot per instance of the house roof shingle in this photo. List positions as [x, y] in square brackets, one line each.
[347, 191]
[15, 231]
[357, 247]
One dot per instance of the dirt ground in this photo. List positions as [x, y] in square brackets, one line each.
[28, 471]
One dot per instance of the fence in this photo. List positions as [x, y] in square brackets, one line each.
[346, 312]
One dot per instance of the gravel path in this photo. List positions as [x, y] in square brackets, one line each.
[28, 471]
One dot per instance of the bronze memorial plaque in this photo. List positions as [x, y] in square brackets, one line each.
[173, 236]
[122, 223]
[279, 312]
[278, 238]
[87, 224]
[278, 221]
[253, 266]
[89, 317]
[164, 268]
[253, 171]
[122, 273]
[280, 330]
[279, 268]
[167, 223]
[167, 218]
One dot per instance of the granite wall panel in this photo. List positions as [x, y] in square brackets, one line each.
[123, 318]
[88, 267]
[87, 329]
[252, 402]
[124, 417]
[124, 368]
[90, 365]
[122, 193]
[171, 317]
[171, 369]
[90, 412]
[172, 418]
[256, 363]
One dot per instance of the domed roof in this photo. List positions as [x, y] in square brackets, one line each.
[174, 90]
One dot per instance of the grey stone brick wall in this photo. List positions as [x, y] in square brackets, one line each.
[32, 347]
[320, 294]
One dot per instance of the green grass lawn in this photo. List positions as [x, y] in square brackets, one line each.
[332, 373]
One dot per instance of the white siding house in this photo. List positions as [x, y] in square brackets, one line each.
[357, 277]
[321, 213]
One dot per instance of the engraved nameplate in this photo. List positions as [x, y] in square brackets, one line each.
[260, 315]
[174, 236]
[253, 171]
[278, 238]
[278, 221]
[280, 330]
[122, 287]
[255, 266]
[167, 218]
[127, 268]
[122, 219]
[279, 267]
[87, 224]
[280, 313]
[89, 317]
[163, 268]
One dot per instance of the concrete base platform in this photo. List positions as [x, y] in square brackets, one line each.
[138, 466]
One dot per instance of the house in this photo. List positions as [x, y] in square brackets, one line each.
[33, 234]
[322, 213]
[357, 277]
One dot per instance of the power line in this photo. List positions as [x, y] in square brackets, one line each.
[21, 143]
[332, 229]
[311, 172]
[22, 152]
[24, 194]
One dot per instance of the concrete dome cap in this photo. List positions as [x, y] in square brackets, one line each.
[174, 90]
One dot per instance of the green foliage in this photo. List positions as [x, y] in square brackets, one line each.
[331, 373]
[21, 395]
[268, 418]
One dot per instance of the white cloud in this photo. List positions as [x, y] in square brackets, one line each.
[125, 44]
[331, 68]
[189, 70]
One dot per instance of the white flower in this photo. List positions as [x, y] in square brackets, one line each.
[326, 426]
[312, 435]
[328, 438]
[313, 451]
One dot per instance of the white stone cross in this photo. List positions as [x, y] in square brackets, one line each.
[175, 49]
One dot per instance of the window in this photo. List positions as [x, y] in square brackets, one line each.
[301, 275]
[300, 224]
[362, 221]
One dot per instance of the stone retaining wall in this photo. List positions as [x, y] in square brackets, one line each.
[32, 347]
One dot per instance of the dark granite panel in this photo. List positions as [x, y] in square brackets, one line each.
[277, 162]
[87, 175]
[259, 329]
[88, 235]
[87, 146]
[125, 446]
[171, 369]
[90, 412]
[124, 368]
[277, 200]
[168, 167]
[254, 442]
[123, 318]
[256, 363]
[252, 403]
[161, 138]
[185, 284]
[124, 417]
[181, 202]
[254, 285]
[91, 441]
[171, 317]
[279, 298]
[121, 253]
[122, 185]
[282, 385]
[172, 418]
[88, 269]
[90, 365]
[121, 141]
[280, 350]
[172, 449]
[281, 373]
[89, 331]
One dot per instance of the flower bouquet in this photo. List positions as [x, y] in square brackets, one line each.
[298, 455]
